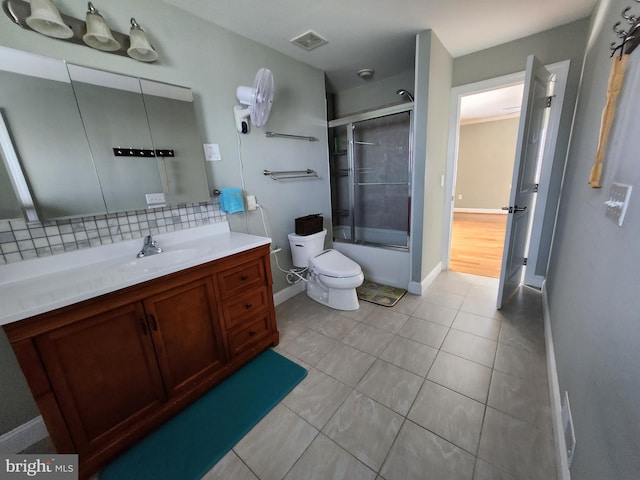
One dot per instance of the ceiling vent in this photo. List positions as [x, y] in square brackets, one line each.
[309, 40]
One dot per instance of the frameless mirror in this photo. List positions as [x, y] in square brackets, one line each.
[172, 123]
[66, 125]
[113, 115]
[46, 132]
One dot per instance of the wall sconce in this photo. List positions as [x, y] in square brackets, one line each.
[45, 19]
[140, 48]
[98, 34]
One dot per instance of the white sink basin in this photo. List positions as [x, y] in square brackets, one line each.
[162, 260]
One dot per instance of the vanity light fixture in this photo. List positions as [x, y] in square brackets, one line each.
[43, 17]
[98, 34]
[140, 48]
[46, 19]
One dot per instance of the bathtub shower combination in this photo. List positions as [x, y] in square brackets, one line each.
[370, 163]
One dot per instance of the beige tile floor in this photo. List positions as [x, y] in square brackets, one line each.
[441, 386]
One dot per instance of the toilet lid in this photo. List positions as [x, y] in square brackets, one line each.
[333, 264]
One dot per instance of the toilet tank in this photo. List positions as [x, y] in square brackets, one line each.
[303, 247]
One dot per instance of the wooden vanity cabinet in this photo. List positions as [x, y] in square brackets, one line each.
[103, 373]
[187, 336]
[106, 371]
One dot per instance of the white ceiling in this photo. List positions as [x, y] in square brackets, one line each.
[498, 103]
[380, 34]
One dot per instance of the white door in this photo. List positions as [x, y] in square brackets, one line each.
[523, 184]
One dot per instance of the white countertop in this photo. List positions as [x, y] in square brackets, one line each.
[31, 287]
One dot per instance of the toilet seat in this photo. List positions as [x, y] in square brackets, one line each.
[332, 263]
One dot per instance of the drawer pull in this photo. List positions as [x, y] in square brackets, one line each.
[154, 323]
[244, 277]
[145, 330]
[252, 333]
[248, 306]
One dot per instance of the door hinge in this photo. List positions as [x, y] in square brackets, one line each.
[535, 187]
[524, 262]
[548, 102]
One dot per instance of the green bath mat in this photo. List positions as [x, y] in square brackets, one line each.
[188, 445]
[379, 294]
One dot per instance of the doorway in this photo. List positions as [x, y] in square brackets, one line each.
[534, 275]
[487, 136]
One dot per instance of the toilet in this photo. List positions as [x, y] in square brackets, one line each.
[333, 278]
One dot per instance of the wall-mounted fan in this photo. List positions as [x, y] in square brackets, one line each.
[257, 101]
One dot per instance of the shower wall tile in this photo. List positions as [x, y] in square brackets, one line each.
[21, 240]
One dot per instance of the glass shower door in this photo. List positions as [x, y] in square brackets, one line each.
[370, 179]
[381, 150]
[341, 183]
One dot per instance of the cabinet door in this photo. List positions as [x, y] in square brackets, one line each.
[186, 334]
[104, 374]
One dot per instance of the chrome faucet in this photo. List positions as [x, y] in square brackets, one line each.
[150, 247]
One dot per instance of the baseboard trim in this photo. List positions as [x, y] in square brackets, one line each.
[285, 294]
[23, 436]
[492, 211]
[562, 464]
[420, 288]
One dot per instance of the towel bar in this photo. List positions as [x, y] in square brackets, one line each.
[289, 174]
[286, 135]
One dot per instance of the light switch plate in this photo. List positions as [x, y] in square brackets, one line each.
[212, 152]
[618, 202]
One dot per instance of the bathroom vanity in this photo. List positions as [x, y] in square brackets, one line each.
[112, 354]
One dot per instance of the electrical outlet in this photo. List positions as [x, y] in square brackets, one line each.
[251, 202]
[155, 198]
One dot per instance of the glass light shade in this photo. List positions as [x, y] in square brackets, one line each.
[45, 19]
[140, 48]
[98, 33]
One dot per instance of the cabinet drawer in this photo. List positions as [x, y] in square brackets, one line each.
[237, 279]
[248, 305]
[242, 337]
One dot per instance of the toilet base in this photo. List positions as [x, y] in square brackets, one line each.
[337, 298]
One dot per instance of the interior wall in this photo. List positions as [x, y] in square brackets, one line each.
[486, 152]
[593, 282]
[213, 62]
[431, 128]
[566, 42]
[441, 68]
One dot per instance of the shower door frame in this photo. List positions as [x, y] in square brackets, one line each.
[370, 115]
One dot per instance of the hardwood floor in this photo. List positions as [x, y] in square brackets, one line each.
[477, 241]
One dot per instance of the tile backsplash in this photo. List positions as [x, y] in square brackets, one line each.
[21, 240]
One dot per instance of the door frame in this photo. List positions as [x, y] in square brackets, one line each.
[561, 72]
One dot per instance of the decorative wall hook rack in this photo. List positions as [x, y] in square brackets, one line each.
[290, 174]
[286, 135]
[142, 152]
[630, 39]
